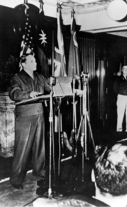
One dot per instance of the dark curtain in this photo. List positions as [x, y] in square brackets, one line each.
[87, 64]
[86, 48]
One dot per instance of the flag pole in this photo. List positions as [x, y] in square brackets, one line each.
[25, 1]
[41, 5]
[52, 52]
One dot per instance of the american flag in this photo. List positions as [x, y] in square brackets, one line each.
[27, 44]
[34, 39]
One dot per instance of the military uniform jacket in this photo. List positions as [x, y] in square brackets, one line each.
[21, 87]
[120, 86]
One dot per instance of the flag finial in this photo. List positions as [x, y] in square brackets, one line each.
[72, 12]
[26, 6]
[59, 7]
[41, 5]
[25, 1]
[41, 1]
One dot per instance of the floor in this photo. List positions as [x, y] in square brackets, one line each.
[63, 185]
[74, 175]
[70, 169]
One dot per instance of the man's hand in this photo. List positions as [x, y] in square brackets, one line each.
[34, 94]
[78, 92]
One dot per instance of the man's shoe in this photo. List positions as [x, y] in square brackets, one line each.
[42, 183]
[17, 186]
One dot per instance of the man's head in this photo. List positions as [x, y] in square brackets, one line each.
[124, 70]
[111, 170]
[110, 175]
[28, 62]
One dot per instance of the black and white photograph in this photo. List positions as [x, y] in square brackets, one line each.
[63, 103]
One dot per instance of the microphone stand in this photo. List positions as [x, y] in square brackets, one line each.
[50, 143]
[83, 125]
[40, 191]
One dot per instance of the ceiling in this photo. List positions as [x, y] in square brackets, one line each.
[81, 2]
[91, 15]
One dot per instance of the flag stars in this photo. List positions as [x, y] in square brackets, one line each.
[28, 39]
[43, 37]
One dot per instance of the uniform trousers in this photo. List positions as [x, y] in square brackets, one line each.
[121, 111]
[29, 137]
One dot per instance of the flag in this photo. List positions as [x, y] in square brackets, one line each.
[73, 70]
[27, 44]
[73, 60]
[60, 70]
[41, 32]
[41, 43]
[59, 56]
[34, 39]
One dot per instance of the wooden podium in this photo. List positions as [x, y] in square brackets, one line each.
[62, 88]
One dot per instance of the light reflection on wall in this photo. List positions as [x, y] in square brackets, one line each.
[100, 73]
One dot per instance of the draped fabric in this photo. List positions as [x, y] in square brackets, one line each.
[73, 59]
[41, 42]
[34, 38]
[86, 48]
[60, 62]
[87, 59]
[87, 56]
[96, 82]
[27, 44]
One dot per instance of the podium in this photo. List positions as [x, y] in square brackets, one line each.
[39, 98]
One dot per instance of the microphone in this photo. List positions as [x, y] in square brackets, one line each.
[77, 77]
[52, 81]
